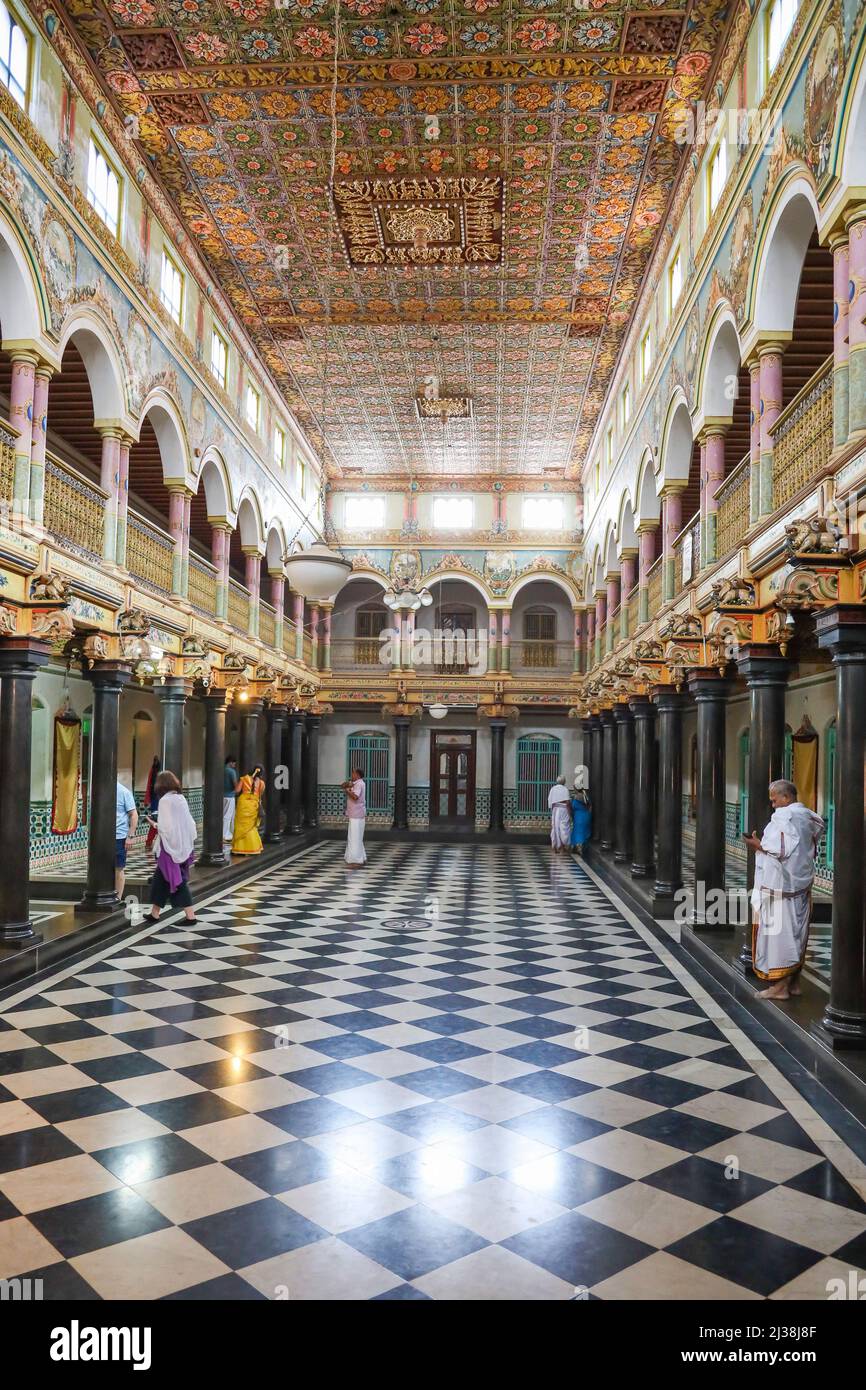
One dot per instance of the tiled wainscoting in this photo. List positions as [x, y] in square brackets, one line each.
[332, 802]
[735, 852]
[48, 851]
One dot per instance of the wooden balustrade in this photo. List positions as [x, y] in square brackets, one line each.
[633, 611]
[654, 587]
[148, 553]
[803, 436]
[267, 623]
[239, 605]
[74, 509]
[732, 513]
[202, 585]
[8, 439]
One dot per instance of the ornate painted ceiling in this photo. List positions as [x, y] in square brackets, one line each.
[560, 116]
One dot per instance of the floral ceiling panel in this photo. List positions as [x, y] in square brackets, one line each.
[501, 173]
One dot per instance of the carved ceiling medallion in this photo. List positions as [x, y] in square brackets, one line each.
[427, 221]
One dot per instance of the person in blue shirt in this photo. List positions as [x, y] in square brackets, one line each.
[125, 828]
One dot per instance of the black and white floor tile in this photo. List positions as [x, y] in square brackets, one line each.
[465, 1072]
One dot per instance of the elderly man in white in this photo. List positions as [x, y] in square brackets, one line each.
[782, 895]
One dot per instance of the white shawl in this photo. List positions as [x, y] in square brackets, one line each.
[556, 794]
[176, 828]
[786, 861]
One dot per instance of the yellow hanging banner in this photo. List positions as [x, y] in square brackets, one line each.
[67, 767]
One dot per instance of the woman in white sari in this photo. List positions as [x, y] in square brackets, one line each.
[559, 805]
[174, 847]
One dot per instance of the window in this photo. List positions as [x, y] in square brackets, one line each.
[625, 406]
[780, 20]
[543, 514]
[279, 447]
[608, 448]
[452, 513]
[171, 288]
[539, 760]
[252, 407]
[717, 173]
[369, 625]
[103, 188]
[14, 56]
[646, 356]
[675, 280]
[539, 639]
[302, 476]
[364, 513]
[371, 752]
[219, 357]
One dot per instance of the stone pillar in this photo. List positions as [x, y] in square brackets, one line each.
[21, 392]
[187, 517]
[710, 693]
[276, 718]
[629, 577]
[252, 575]
[672, 524]
[401, 771]
[214, 702]
[590, 658]
[608, 825]
[295, 816]
[669, 812]
[643, 798]
[766, 674]
[298, 620]
[856, 325]
[493, 640]
[122, 501]
[220, 556]
[311, 772]
[842, 631]
[646, 540]
[712, 477]
[108, 679]
[109, 479]
[586, 753]
[771, 406]
[600, 620]
[754, 439]
[327, 610]
[839, 248]
[624, 721]
[505, 641]
[314, 636]
[497, 775]
[20, 659]
[249, 740]
[278, 600]
[579, 640]
[38, 442]
[614, 596]
[172, 698]
[597, 792]
[176, 507]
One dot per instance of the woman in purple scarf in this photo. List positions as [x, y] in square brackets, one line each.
[175, 842]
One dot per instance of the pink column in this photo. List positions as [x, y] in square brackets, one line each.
[754, 438]
[600, 620]
[505, 640]
[713, 475]
[176, 508]
[857, 320]
[278, 590]
[38, 442]
[646, 556]
[298, 621]
[326, 638]
[629, 573]
[122, 501]
[590, 639]
[771, 406]
[579, 623]
[314, 636]
[109, 478]
[252, 570]
[841, 280]
[672, 524]
[614, 592]
[21, 410]
[187, 515]
[220, 556]
[493, 641]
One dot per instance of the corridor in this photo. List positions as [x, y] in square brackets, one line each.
[520, 1093]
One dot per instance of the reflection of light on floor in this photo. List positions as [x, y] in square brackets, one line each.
[442, 1170]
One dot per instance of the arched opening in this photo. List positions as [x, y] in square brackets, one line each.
[357, 623]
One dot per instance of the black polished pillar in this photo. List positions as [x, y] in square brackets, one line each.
[497, 775]
[669, 808]
[608, 827]
[401, 772]
[644, 793]
[249, 740]
[311, 772]
[213, 850]
[596, 791]
[20, 659]
[586, 753]
[766, 673]
[294, 820]
[172, 698]
[276, 718]
[842, 630]
[108, 679]
[710, 693]
[624, 782]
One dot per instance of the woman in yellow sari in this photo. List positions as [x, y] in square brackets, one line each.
[247, 839]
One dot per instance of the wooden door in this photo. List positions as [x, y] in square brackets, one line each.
[452, 777]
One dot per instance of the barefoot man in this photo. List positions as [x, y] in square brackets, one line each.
[782, 895]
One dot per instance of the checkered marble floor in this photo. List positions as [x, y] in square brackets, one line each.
[525, 1095]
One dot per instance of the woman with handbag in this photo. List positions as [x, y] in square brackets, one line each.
[173, 847]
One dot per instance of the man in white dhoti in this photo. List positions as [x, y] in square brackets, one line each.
[782, 894]
[559, 806]
[356, 814]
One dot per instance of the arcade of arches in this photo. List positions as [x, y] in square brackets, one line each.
[553, 327]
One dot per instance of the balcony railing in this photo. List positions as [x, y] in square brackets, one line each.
[542, 656]
[654, 587]
[74, 509]
[202, 585]
[267, 623]
[8, 437]
[803, 436]
[148, 553]
[239, 605]
[633, 612]
[687, 553]
[732, 515]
